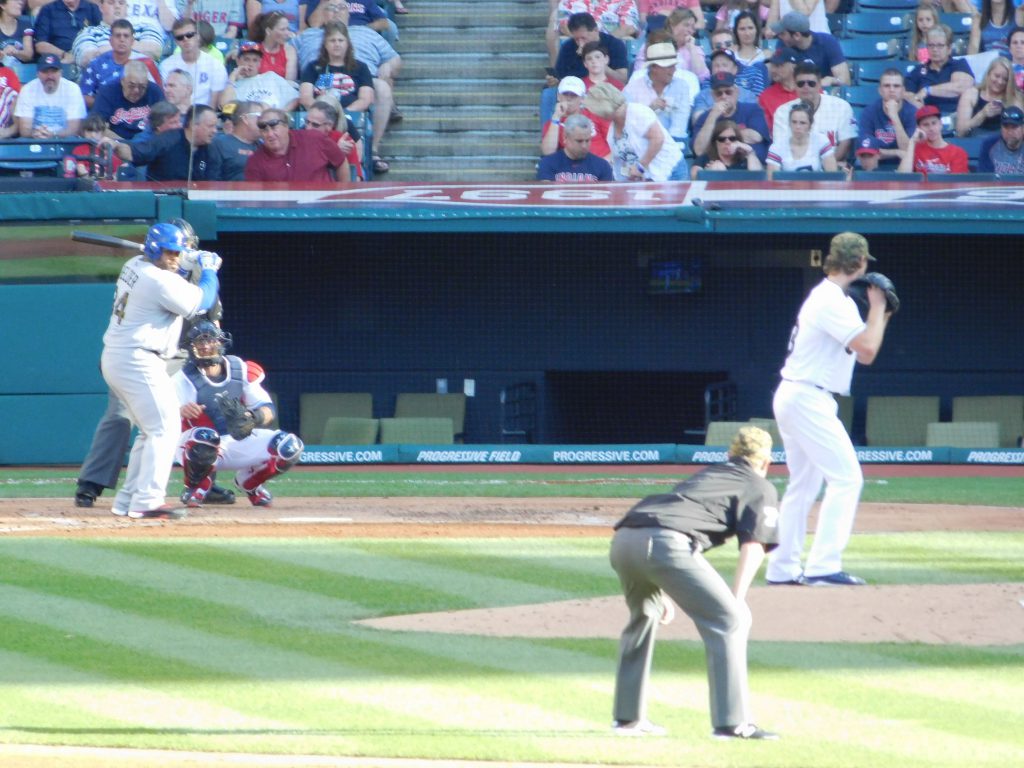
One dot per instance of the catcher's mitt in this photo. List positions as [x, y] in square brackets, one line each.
[240, 421]
[858, 291]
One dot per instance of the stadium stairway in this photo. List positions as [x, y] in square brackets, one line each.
[469, 91]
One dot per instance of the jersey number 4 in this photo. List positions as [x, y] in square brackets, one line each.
[119, 304]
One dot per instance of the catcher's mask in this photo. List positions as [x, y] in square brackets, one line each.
[213, 342]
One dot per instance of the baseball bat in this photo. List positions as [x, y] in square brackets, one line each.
[107, 241]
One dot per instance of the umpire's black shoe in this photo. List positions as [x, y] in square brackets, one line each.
[745, 731]
[218, 495]
[86, 493]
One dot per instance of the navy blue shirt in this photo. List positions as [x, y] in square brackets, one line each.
[166, 157]
[824, 51]
[561, 168]
[127, 119]
[58, 26]
[746, 116]
[569, 62]
[925, 75]
[875, 123]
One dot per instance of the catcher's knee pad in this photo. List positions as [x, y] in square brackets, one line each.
[285, 450]
[200, 455]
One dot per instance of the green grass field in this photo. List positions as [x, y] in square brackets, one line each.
[248, 645]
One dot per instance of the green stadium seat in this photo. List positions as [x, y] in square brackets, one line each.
[868, 48]
[417, 431]
[963, 434]
[1006, 410]
[900, 420]
[771, 427]
[722, 432]
[348, 430]
[315, 408]
[432, 404]
[846, 412]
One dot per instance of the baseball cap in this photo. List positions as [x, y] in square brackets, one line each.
[928, 110]
[793, 21]
[849, 246]
[250, 46]
[1012, 116]
[724, 52]
[662, 55]
[723, 80]
[572, 84]
[784, 55]
[869, 145]
[48, 61]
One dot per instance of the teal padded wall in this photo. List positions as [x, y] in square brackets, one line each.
[49, 429]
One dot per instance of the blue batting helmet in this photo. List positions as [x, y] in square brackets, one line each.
[164, 237]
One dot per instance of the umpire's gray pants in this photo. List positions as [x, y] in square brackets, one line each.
[105, 459]
[649, 560]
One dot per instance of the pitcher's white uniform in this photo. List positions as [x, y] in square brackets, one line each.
[817, 445]
[149, 304]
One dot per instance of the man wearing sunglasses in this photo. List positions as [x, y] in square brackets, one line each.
[833, 117]
[287, 155]
[59, 22]
[748, 117]
[231, 150]
[178, 154]
[209, 78]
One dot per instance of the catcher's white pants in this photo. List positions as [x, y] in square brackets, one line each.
[139, 379]
[236, 454]
[817, 449]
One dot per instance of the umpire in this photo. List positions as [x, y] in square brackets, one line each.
[656, 551]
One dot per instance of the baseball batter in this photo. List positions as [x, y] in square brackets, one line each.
[828, 339]
[223, 409]
[656, 551]
[150, 300]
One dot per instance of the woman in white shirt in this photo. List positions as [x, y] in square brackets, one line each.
[805, 151]
[642, 149]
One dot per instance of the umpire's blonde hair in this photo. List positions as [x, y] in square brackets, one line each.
[751, 443]
[603, 99]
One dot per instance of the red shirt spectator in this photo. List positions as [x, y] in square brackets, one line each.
[287, 155]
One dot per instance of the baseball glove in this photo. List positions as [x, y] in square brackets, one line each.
[858, 291]
[240, 421]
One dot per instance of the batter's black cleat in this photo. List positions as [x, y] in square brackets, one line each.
[87, 493]
[745, 731]
[218, 495]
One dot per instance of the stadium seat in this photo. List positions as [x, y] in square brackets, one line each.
[1006, 410]
[963, 434]
[889, 23]
[348, 430]
[972, 146]
[845, 412]
[859, 96]
[900, 420]
[870, 71]
[315, 408]
[32, 157]
[836, 23]
[960, 23]
[869, 48]
[722, 432]
[433, 405]
[808, 176]
[887, 5]
[428, 431]
[771, 427]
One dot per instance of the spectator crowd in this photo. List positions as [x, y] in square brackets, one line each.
[768, 86]
[203, 90]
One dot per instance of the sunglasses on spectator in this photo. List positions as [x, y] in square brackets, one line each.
[721, 46]
[185, 36]
[723, 139]
[269, 124]
[806, 83]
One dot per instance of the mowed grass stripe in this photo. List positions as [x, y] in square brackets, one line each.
[394, 567]
[375, 597]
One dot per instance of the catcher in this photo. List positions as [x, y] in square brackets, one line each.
[224, 414]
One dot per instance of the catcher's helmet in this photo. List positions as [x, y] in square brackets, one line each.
[191, 238]
[163, 237]
[205, 331]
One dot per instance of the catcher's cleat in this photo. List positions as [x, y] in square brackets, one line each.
[194, 496]
[160, 513]
[219, 495]
[259, 496]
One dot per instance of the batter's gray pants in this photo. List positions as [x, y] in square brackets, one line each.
[649, 561]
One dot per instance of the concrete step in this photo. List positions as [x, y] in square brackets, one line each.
[480, 17]
[446, 93]
[478, 170]
[413, 144]
[444, 40]
[462, 66]
[465, 119]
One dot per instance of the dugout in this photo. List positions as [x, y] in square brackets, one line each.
[616, 321]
